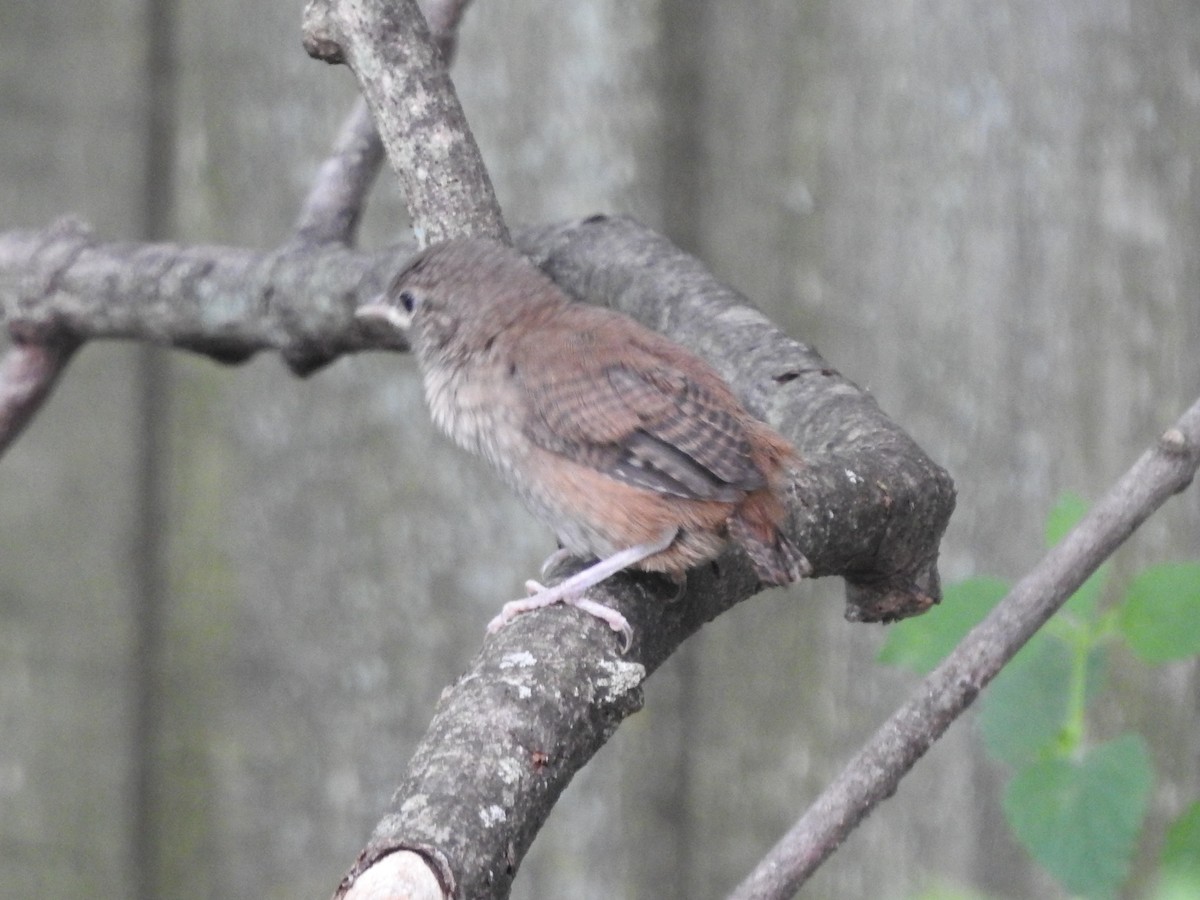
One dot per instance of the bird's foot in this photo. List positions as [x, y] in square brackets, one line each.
[540, 597]
[571, 591]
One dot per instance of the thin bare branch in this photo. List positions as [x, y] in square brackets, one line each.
[444, 17]
[333, 208]
[1162, 471]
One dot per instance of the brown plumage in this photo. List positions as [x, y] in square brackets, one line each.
[631, 448]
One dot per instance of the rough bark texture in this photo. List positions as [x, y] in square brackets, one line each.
[227, 303]
[403, 77]
[504, 742]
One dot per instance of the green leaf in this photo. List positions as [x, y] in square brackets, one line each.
[1173, 886]
[922, 642]
[1081, 818]
[1181, 850]
[1161, 614]
[1026, 707]
[1065, 515]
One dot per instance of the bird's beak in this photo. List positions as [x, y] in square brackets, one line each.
[381, 308]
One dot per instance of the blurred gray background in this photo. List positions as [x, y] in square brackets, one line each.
[229, 598]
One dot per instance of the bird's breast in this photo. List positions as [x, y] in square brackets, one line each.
[478, 408]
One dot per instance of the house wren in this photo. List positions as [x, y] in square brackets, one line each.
[631, 448]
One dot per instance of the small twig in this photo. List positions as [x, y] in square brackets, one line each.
[873, 774]
[444, 17]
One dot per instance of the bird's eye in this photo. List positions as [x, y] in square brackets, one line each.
[408, 301]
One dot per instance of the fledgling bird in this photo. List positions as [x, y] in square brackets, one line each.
[633, 449]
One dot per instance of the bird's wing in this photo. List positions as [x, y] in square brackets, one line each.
[639, 409]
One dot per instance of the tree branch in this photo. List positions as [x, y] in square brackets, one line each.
[335, 203]
[401, 73]
[28, 374]
[1162, 471]
[224, 302]
[334, 206]
[546, 693]
[32, 366]
[891, 502]
[228, 324]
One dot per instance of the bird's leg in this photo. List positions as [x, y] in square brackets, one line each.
[571, 590]
[577, 584]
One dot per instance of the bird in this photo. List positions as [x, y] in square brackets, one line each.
[632, 449]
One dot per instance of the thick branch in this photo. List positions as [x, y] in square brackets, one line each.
[1162, 471]
[400, 71]
[224, 302]
[891, 502]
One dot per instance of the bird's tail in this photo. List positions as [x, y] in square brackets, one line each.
[757, 526]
